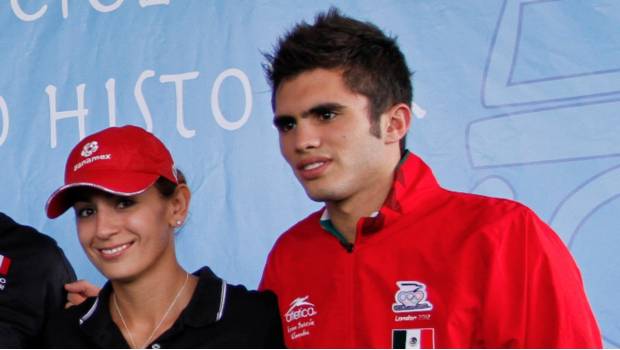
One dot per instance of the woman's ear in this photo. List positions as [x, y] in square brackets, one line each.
[179, 205]
[396, 122]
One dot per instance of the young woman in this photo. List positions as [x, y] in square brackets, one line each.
[128, 200]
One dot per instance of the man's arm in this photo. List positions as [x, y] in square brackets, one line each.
[535, 294]
[10, 337]
[32, 283]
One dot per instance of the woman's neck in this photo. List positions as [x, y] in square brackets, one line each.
[148, 305]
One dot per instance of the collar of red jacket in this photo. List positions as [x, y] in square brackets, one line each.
[412, 176]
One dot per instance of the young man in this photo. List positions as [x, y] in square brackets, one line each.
[394, 260]
[33, 270]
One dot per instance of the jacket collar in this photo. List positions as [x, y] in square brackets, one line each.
[412, 176]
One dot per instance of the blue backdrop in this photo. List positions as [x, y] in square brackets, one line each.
[515, 98]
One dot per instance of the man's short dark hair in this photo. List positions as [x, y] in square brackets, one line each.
[372, 62]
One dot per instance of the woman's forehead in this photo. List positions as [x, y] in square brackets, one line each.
[87, 194]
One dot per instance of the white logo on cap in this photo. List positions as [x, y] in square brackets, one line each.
[89, 149]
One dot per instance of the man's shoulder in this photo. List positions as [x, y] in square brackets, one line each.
[13, 233]
[465, 215]
[500, 221]
[483, 207]
[18, 241]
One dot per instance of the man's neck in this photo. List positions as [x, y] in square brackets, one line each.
[345, 214]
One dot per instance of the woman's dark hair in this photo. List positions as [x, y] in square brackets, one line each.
[166, 187]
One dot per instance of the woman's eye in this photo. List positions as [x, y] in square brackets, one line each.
[84, 212]
[125, 203]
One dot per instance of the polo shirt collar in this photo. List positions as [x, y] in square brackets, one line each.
[205, 307]
[97, 321]
[208, 301]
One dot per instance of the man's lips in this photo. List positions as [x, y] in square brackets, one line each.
[311, 168]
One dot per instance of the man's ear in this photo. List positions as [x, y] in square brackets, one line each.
[179, 205]
[396, 122]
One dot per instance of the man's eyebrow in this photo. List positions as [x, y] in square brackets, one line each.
[318, 109]
[279, 117]
[322, 108]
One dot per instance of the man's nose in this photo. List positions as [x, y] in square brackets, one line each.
[306, 137]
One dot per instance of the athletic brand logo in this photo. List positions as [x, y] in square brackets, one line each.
[299, 317]
[107, 156]
[419, 338]
[89, 149]
[300, 308]
[411, 297]
[5, 263]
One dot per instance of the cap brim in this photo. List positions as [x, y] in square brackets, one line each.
[126, 184]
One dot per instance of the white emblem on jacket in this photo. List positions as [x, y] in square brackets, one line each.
[411, 297]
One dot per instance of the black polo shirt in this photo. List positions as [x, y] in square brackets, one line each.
[219, 315]
[33, 270]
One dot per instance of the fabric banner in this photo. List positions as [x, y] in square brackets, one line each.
[516, 99]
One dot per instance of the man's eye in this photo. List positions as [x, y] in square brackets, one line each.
[125, 203]
[327, 115]
[284, 124]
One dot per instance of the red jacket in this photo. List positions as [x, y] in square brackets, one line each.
[434, 268]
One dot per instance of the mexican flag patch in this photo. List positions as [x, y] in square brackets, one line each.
[5, 263]
[418, 338]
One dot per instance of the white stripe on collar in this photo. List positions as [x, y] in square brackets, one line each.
[220, 312]
[90, 312]
[325, 215]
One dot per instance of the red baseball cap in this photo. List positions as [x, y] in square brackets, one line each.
[123, 160]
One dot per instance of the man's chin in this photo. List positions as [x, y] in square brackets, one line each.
[322, 195]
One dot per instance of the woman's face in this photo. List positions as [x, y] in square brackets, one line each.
[125, 237]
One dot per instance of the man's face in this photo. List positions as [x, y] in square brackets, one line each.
[324, 131]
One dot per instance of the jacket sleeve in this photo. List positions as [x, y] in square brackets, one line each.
[33, 286]
[535, 295]
[275, 338]
[11, 337]
[60, 273]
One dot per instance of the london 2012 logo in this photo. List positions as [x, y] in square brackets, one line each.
[411, 297]
[89, 149]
